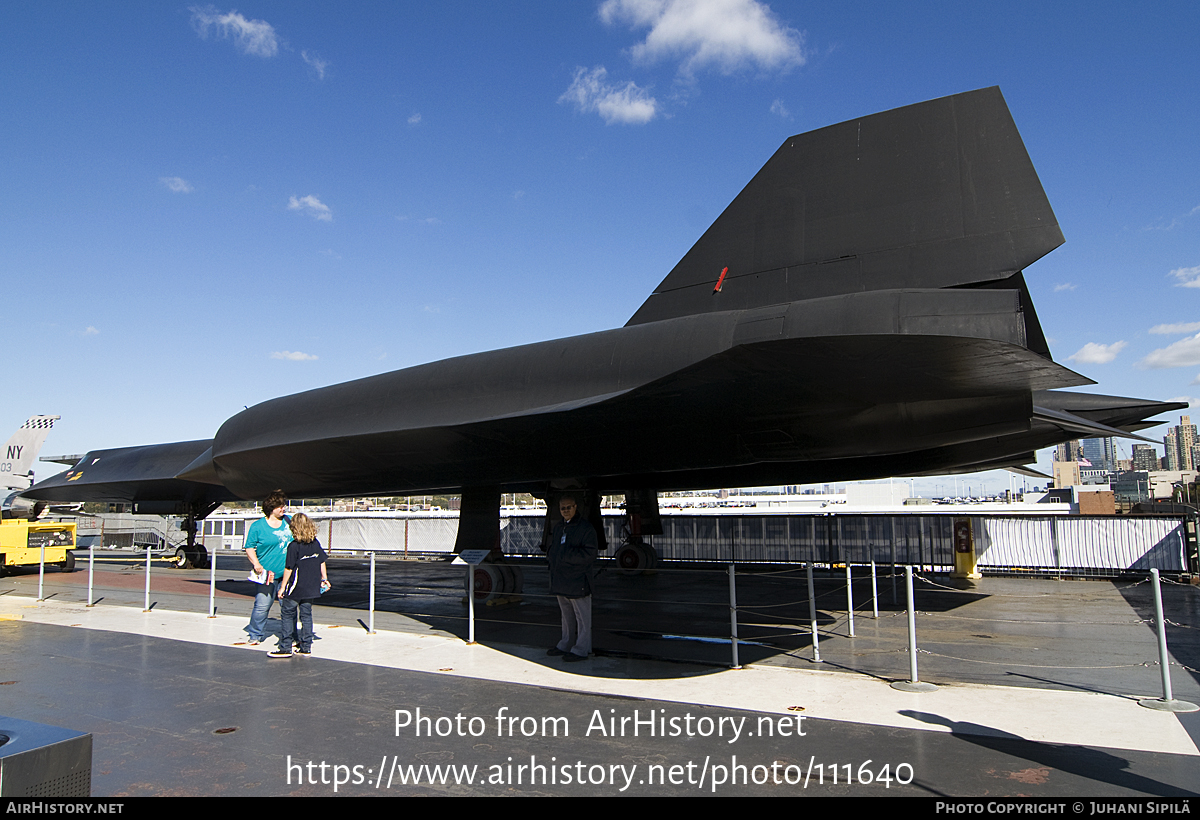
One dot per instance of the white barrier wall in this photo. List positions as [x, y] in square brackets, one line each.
[1107, 542]
[1025, 542]
[1002, 543]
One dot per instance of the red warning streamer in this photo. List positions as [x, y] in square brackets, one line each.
[721, 279]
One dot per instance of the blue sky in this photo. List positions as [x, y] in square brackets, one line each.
[204, 207]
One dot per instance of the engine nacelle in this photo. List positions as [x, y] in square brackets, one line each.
[16, 506]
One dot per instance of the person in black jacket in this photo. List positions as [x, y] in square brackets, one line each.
[572, 553]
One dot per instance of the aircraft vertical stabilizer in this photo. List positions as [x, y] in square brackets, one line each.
[21, 450]
[933, 195]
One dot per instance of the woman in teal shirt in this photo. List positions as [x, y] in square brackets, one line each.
[266, 546]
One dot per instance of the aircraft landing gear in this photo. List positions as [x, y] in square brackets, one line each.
[497, 584]
[635, 556]
[479, 528]
[642, 517]
[194, 555]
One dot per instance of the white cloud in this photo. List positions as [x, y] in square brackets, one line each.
[176, 184]
[293, 356]
[1175, 222]
[1184, 353]
[1092, 353]
[1188, 277]
[255, 37]
[1191, 400]
[626, 104]
[415, 118]
[316, 62]
[1065, 286]
[726, 34]
[90, 331]
[311, 206]
[1176, 329]
[779, 108]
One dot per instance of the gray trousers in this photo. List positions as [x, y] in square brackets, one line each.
[576, 625]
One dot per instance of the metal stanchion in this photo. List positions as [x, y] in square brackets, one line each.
[812, 615]
[893, 562]
[41, 571]
[913, 684]
[146, 608]
[371, 618]
[470, 604]
[91, 572]
[850, 598]
[1167, 702]
[212, 581]
[733, 638]
[874, 590]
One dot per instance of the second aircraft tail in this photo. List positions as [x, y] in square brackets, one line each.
[19, 452]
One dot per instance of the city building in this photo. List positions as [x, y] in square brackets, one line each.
[1145, 458]
[1068, 451]
[1066, 474]
[1101, 452]
[1180, 445]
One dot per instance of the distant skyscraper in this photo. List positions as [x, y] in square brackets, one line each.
[1187, 439]
[1145, 458]
[1067, 451]
[1101, 452]
[1179, 444]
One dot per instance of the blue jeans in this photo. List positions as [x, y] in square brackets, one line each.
[287, 614]
[262, 609]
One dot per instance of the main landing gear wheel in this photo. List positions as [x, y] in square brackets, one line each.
[513, 579]
[493, 582]
[182, 561]
[636, 557]
[488, 582]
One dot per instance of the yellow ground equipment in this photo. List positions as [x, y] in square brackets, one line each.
[21, 544]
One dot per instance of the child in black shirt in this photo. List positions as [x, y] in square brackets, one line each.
[304, 578]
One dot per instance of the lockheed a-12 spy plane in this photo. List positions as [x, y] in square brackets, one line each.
[858, 311]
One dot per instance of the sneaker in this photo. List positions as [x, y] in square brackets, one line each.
[554, 652]
[279, 653]
[252, 642]
[571, 657]
[304, 653]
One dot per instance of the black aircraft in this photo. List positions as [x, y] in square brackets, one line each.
[858, 311]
